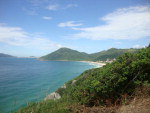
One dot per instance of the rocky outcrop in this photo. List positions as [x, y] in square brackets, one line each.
[73, 82]
[53, 96]
[64, 86]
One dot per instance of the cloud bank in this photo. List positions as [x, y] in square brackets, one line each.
[138, 46]
[53, 7]
[123, 23]
[16, 36]
[70, 6]
[69, 24]
[47, 18]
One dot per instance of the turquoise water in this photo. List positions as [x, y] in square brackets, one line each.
[24, 80]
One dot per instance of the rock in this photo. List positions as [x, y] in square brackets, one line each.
[64, 86]
[73, 82]
[53, 96]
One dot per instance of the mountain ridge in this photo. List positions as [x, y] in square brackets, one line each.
[67, 54]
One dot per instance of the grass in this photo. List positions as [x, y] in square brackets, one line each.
[49, 106]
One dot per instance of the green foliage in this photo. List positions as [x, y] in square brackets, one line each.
[101, 86]
[66, 54]
[73, 55]
[111, 54]
[49, 106]
[96, 86]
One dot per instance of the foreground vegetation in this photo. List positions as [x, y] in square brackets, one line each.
[110, 86]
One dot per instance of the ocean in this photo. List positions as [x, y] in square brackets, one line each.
[25, 80]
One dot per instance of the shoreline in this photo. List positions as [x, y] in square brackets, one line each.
[97, 64]
[55, 95]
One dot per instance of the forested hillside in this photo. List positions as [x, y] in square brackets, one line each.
[111, 54]
[66, 54]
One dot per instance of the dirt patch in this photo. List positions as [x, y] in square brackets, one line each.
[99, 109]
[136, 106]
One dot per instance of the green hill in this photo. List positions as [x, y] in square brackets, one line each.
[111, 54]
[66, 54]
[73, 55]
[110, 86]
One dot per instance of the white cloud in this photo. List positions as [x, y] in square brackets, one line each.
[60, 7]
[38, 2]
[118, 43]
[69, 24]
[35, 6]
[53, 7]
[47, 18]
[138, 46]
[71, 5]
[16, 36]
[124, 23]
[30, 11]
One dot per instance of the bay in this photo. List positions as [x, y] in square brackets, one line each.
[25, 80]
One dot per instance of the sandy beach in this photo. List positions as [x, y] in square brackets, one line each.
[97, 64]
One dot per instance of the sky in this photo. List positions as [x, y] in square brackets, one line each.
[39, 27]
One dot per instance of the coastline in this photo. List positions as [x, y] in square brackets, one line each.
[55, 95]
[97, 64]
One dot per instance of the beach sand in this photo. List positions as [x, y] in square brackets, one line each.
[97, 64]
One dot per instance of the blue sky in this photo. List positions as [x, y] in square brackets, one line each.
[38, 27]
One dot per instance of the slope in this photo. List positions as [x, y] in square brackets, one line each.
[111, 54]
[66, 54]
[73, 55]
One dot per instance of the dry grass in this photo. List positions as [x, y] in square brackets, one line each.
[138, 105]
[139, 102]
[99, 109]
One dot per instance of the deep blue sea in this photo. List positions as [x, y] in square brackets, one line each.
[25, 80]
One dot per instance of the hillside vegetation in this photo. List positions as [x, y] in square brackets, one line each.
[111, 54]
[66, 54]
[73, 55]
[102, 89]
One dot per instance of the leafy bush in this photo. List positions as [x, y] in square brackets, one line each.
[98, 86]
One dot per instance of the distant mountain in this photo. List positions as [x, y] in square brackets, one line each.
[73, 55]
[5, 55]
[111, 54]
[66, 54]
